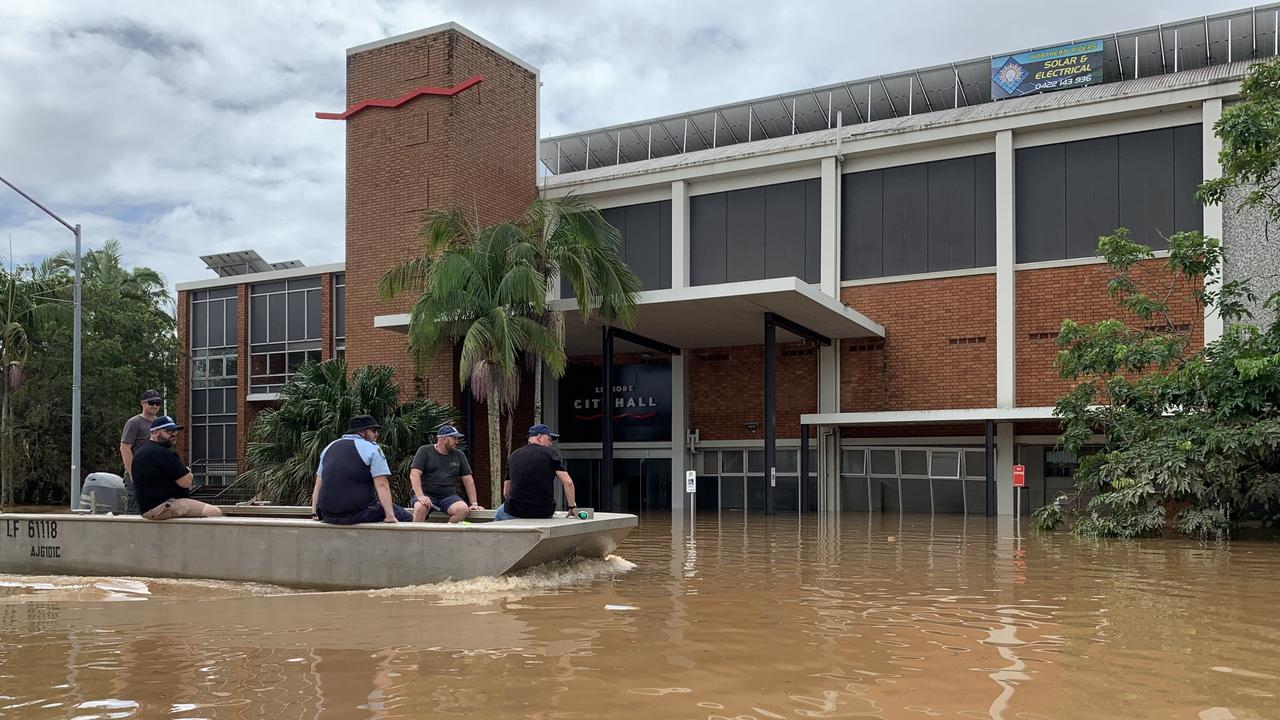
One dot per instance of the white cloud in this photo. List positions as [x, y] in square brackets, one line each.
[187, 128]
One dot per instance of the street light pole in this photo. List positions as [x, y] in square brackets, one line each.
[75, 349]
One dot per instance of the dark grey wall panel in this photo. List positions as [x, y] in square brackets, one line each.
[1039, 180]
[640, 237]
[984, 210]
[664, 244]
[1188, 172]
[784, 230]
[812, 231]
[1092, 195]
[950, 209]
[1146, 186]
[745, 225]
[862, 225]
[708, 238]
[906, 223]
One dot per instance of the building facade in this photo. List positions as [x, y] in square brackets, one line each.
[902, 248]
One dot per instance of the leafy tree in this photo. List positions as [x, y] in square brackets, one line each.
[1192, 440]
[486, 288]
[284, 444]
[129, 345]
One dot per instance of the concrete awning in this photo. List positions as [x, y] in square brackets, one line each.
[722, 315]
[916, 417]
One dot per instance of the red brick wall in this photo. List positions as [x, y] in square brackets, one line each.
[1048, 296]
[474, 151]
[939, 349]
[726, 390]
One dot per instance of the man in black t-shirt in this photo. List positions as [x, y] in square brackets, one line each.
[531, 474]
[434, 475]
[162, 482]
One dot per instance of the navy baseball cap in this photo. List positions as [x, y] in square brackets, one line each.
[151, 395]
[448, 431]
[164, 422]
[541, 429]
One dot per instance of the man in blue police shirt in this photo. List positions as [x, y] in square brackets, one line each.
[352, 481]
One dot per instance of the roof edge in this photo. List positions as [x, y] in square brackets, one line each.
[436, 29]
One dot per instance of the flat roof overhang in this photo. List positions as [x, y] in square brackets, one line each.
[722, 315]
[927, 417]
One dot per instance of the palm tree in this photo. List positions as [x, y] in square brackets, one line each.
[574, 241]
[284, 444]
[482, 290]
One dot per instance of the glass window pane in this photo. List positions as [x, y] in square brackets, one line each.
[215, 367]
[199, 443]
[229, 442]
[229, 367]
[710, 462]
[199, 402]
[215, 403]
[884, 462]
[340, 311]
[276, 318]
[756, 493]
[258, 319]
[788, 462]
[732, 461]
[258, 364]
[217, 320]
[916, 496]
[305, 283]
[267, 287]
[313, 315]
[853, 462]
[296, 359]
[786, 496]
[975, 463]
[229, 312]
[813, 464]
[948, 496]
[732, 496]
[297, 322]
[215, 442]
[199, 369]
[915, 462]
[276, 364]
[944, 463]
[755, 461]
[854, 494]
[200, 325]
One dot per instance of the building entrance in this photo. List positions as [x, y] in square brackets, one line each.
[639, 484]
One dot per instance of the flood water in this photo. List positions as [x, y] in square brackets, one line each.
[822, 617]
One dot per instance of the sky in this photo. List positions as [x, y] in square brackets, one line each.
[184, 129]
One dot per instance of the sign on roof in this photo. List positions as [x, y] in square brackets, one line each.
[1055, 68]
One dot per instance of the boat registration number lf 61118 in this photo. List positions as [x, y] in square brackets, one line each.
[41, 535]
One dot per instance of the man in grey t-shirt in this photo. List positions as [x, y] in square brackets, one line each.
[136, 433]
[434, 475]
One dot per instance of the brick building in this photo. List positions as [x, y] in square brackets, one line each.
[910, 245]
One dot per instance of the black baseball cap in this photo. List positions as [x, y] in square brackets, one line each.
[360, 423]
[151, 395]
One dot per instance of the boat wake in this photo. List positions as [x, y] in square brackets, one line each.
[62, 588]
[543, 578]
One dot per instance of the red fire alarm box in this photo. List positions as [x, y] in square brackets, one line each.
[1019, 476]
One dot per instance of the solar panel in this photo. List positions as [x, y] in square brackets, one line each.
[1171, 47]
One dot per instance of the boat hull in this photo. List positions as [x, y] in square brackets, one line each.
[297, 552]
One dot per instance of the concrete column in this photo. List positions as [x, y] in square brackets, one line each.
[829, 377]
[550, 399]
[679, 429]
[679, 235]
[1005, 460]
[829, 266]
[1211, 111]
[1006, 317]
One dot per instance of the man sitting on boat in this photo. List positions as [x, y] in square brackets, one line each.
[352, 481]
[435, 473]
[531, 474]
[161, 481]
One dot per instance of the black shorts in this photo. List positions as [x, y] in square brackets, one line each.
[441, 503]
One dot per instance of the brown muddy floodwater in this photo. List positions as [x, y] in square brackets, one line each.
[822, 617]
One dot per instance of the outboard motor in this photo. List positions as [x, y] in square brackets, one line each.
[102, 492]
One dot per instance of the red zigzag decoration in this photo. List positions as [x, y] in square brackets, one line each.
[397, 102]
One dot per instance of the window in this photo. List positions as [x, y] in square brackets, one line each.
[340, 316]
[284, 330]
[214, 367]
[1070, 194]
[756, 233]
[919, 218]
